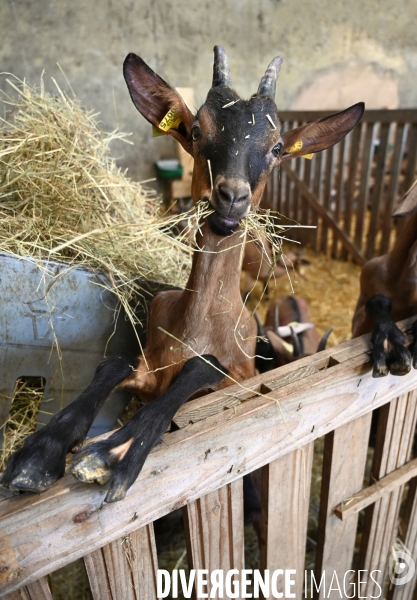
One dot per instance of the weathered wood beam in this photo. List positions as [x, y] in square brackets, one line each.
[371, 494]
[326, 216]
[41, 533]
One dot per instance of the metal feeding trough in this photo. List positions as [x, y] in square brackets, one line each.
[57, 322]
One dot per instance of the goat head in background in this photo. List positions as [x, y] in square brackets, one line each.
[288, 334]
[235, 144]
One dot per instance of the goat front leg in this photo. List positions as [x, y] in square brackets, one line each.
[41, 460]
[389, 353]
[120, 458]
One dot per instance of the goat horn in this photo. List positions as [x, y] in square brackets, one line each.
[261, 328]
[295, 344]
[268, 83]
[323, 341]
[221, 70]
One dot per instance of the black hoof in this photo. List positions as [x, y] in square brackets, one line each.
[36, 466]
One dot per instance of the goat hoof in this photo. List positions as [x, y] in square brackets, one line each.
[380, 370]
[34, 468]
[94, 463]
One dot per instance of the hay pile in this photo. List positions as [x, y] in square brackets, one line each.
[62, 197]
[23, 415]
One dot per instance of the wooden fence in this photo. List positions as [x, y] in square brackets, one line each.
[350, 191]
[200, 467]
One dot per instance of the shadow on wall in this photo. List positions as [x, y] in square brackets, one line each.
[343, 85]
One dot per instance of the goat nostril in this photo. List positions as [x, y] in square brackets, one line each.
[232, 194]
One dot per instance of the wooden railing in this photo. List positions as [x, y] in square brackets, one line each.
[350, 191]
[269, 423]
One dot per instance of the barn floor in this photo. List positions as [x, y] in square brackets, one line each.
[330, 287]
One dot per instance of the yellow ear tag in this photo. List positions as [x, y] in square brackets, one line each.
[171, 120]
[157, 132]
[296, 147]
[287, 346]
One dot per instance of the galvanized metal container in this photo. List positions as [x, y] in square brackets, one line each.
[57, 322]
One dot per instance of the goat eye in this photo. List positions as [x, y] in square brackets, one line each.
[196, 133]
[277, 149]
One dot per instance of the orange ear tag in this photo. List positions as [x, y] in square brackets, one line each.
[171, 120]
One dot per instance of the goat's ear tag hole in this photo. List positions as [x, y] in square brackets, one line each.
[296, 147]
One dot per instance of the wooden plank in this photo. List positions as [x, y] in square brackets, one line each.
[366, 159]
[38, 590]
[354, 139]
[69, 520]
[404, 115]
[284, 516]
[327, 188]
[327, 217]
[344, 463]
[371, 494]
[318, 192]
[409, 590]
[339, 193]
[214, 530]
[124, 569]
[395, 171]
[378, 190]
[395, 434]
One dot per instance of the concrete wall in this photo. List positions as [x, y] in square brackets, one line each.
[336, 53]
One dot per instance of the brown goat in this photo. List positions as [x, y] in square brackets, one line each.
[388, 293]
[235, 145]
[288, 334]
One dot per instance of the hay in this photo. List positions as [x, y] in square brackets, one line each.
[23, 415]
[62, 197]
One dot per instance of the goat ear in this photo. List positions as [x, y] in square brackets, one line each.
[154, 99]
[321, 134]
[280, 347]
[408, 204]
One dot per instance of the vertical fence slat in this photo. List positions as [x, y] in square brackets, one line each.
[327, 188]
[285, 500]
[378, 190]
[367, 156]
[395, 172]
[339, 192]
[214, 530]
[355, 140]
[344, 462]
[406, 592]
[125, 569]
[38, 590]
[317, 162]
[396, 428]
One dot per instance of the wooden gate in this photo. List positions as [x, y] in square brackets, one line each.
[270, 422]
[349, 192]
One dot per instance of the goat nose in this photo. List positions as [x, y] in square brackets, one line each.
[233, 193]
